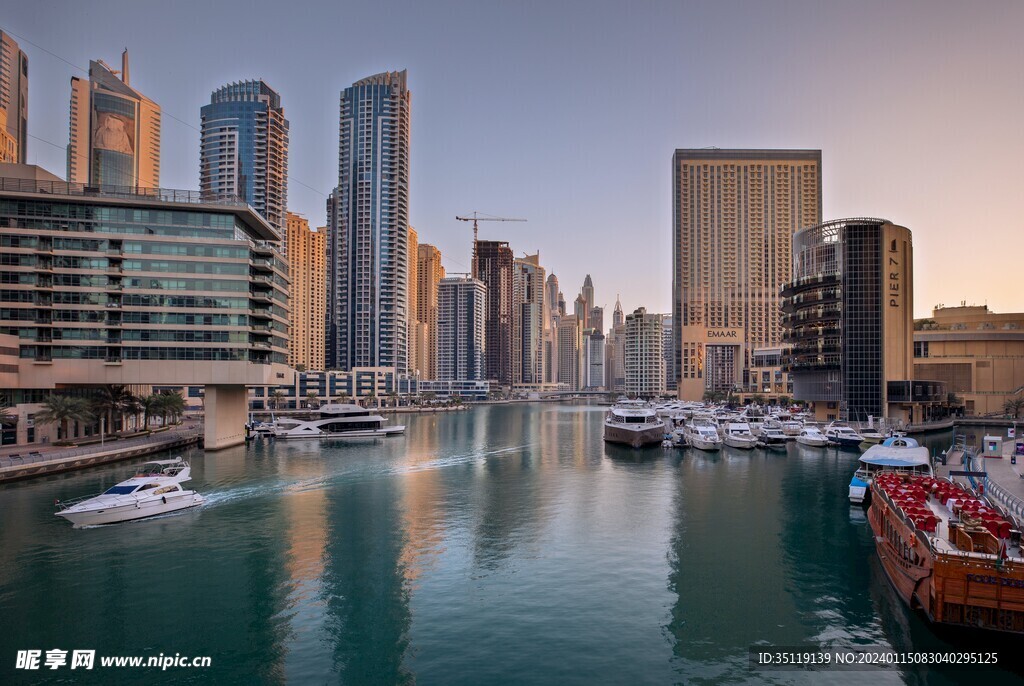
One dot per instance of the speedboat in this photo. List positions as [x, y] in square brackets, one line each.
[842, 435]
[737, 435]
[872, 435]
[703, 436]
[812, 436]
[633, 424]
[337, 421]
[154, 490]
[896, 454]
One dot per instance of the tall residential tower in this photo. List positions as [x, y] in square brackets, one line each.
[243, 149]
[734, 216]
[367, 250]
[13, 101]
[307, 269]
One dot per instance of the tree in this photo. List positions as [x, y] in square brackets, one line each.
[132, 405]
[169, 404]
[393, 398]
[312, 398]
[62, 410]
[1013, 406]
[150, 408]
[276, 397]
[108, 401]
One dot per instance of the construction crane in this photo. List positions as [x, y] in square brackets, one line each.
[476, 218]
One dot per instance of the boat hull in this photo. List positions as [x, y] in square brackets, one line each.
[707, 446]
[812, 442]
[130, 511]
[845, 442]
[741, 443]
[636, 438]
[361, 433]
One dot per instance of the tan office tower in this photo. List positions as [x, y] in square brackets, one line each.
[307, 266]
[529, 314]
[13, 101]
[115, 131]
[569, 346]
[429, 273]
[412, 257]
[734, 216]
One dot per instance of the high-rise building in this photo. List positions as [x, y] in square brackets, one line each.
[615, 358]
[493, 263]
[734, 216]
[115, 131]
[848, 317]
[529, 314]
[551, 294]
[593, 359]
[617, 316]
[429, 272]
[644, 354]
[367, 251]
[581, 311]
[412, 306]
[177, 291]
[561, 304]
[596, 318]
[13, 101]
[461, 324]
[569, 344]
[588, 291]
[669, 350]
[307, 269]
[243, 148]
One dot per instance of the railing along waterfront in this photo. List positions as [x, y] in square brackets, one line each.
[171, 436]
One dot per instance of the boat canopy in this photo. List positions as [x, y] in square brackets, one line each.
[901, 442]
[884, 456]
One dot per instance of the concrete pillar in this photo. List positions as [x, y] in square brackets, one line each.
[227, 410]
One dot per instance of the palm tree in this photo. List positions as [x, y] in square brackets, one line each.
[393, 398]
[109, 402]
[169, 404]
[311, 399]
[150, 407]
[275, 398]
[1013, 406]
[132, 405]
[62, 410]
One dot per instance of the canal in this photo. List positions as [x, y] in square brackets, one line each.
[503, 545]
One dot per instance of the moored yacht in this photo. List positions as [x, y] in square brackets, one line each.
[812, 436]
[633, 424]
[337, 421]
[703, 435]
[772, 437]
[737, 435]
[842, 435]
[154, 490]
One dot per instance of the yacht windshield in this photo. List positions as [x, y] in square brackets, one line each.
[119, 490]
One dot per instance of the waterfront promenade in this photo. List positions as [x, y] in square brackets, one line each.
[23, 464]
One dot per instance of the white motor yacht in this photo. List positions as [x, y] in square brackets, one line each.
[737, 435]
[154, 490]
[772, 437]
[703, 436]
[812, 436]
[842, 435]
[634, 424]
[337, 421]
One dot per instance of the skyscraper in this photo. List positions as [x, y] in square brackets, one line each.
[617, 316]
[848, 317]
[551, 294]
[243, 148]
[734, 216]
[115, 131]
[412, 305]
[529, 313]
[644, 354]
[494, 267]
[569, 344]
[593, 359]
[668, 351]
[588, 291]
[368, 268]
[429, 272]
[461, 343]
[307, 272]
[13, 101]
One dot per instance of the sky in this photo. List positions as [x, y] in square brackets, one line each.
[567, 114]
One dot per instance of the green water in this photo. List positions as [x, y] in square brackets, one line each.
[503, 545]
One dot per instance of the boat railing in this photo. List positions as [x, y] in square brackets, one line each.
[62, 505]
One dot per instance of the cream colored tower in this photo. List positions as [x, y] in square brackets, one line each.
[115, 131]
[412, 255]
[429, 273]
[734, 212]
[307, 265]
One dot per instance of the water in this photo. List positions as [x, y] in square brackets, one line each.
[503, 545]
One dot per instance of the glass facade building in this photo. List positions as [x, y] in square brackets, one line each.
[244, 149]
[368, 221]
[141, 285]
[847, 316]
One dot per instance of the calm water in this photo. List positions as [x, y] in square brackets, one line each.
[506, 544]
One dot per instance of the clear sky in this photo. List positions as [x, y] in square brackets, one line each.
[567, 114]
